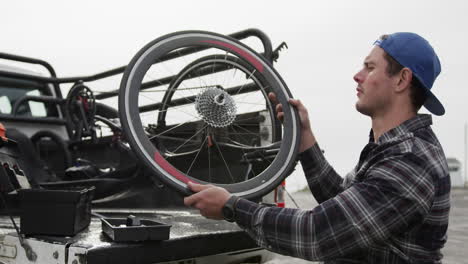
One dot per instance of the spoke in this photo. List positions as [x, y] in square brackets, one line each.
[149, 98]
[179, 133]
[186, 62]
[254, 98]
[175, 107]
[246, 82]
[201, 80]
[251, 167]
[158, 101]
[248, 132]
[181, 124]
[178, 89]
[225, 163]
[171, 89]
[250, 108]
[242, 133]
[209, 159]
[245, 119]
[146, 114]
[166, 68]
[190, 138]
[242, 96]
[249, 103]
[213, 67]
[233, 75]
[238, 145]
[179, 139]
[154, 79]
[196, 156]
[248, 147]
[172, 154]
[179, 109]
[225, 72]
[250, 124]
[157, 79]
[241, 121]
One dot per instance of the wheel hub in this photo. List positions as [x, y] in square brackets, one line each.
[216, 107]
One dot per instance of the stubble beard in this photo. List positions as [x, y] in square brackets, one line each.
[362, 109]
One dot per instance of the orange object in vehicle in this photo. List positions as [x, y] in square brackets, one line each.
[279, 195]
[3, 132]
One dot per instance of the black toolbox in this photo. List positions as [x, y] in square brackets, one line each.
[128, 229]
[55, 212]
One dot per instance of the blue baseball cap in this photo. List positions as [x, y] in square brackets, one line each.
[414, 52]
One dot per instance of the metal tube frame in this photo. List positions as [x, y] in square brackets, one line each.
[268, 53]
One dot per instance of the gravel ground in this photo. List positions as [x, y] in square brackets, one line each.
[455, 251]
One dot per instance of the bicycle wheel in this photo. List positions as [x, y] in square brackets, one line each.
[194, 107]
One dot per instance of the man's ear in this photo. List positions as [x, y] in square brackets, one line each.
[404, 80]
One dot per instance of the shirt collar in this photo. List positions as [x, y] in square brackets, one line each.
[404, 129]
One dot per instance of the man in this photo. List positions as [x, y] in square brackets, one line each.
[393, 206]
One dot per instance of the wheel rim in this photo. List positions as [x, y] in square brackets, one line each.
[217, 95]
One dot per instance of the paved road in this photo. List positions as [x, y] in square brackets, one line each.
[455, 251]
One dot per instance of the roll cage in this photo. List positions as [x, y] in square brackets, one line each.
[55, 103]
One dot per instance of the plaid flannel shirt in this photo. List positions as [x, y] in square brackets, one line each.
[393, 207]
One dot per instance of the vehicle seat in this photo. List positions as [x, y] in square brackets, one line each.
[34, 168]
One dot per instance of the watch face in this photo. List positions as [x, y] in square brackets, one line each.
[228, 213]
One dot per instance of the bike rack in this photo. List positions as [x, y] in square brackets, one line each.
[268, 54]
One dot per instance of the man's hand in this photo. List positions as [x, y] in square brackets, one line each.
[208, 199]
[307, 137]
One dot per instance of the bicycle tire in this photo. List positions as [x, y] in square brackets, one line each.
[151, 154]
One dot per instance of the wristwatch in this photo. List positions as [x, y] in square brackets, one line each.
[229, 208]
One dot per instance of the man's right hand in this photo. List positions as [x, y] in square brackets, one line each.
[307, 137]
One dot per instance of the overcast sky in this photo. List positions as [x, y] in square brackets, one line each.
[327, 41]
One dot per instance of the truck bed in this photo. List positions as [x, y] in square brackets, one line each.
[191, 237]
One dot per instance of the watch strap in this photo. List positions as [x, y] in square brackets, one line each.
[229, 208]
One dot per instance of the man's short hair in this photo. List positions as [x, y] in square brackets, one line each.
[417, 94]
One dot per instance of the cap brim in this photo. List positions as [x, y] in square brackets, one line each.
[433, 104]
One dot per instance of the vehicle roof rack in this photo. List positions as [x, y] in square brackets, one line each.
[252, 32]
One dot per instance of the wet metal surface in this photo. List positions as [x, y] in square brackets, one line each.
[185, 223]
[191, 235]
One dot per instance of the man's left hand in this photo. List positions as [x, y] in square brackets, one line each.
[208, 199]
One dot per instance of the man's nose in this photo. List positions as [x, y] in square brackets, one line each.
[358, 77]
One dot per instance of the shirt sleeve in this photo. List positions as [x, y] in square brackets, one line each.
[323, 180]
[396, 195]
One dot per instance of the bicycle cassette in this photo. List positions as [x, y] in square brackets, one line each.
[216, 107]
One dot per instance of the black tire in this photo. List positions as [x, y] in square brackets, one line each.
[262, 77]
[80, 106]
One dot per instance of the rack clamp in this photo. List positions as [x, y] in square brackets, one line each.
[280, 47]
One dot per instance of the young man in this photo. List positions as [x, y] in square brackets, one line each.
[393, 206]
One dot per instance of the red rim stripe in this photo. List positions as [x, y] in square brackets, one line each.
[170, 169]
[257, 64]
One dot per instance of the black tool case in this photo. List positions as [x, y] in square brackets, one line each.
[119, 229]
[55, 212]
